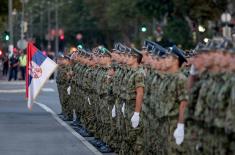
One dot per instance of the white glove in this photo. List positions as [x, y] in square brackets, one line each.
[89, 101]
[114, 111]
[123, 109]
[69, 90]
[74, 115]
[179, 134]
[135, 119]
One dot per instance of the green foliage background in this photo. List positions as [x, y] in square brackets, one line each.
[108, 21]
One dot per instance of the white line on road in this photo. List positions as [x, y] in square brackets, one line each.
[70, 129]
[19, 82]
[13, 91]
[48, 90]
[12, 82]
[23, 90]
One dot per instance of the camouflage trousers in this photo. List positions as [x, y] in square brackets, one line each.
[203, 140]
[132, 143]
[65, 100]
[106, 118]
[116, 125]
[81, 105]
[89, 114]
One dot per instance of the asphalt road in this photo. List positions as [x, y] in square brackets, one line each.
[36, 132]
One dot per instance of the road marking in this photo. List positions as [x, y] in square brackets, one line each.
[12, 82]
[19, 82]
[48, 90]
[70, 129]
[23, 90]
[13, 91]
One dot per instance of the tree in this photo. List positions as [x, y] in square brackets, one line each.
[178, 32]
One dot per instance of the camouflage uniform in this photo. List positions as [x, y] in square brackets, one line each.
[63, 83]
[116, 126]
[133, 142]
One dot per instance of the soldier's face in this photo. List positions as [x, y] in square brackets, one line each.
[153, 61]
[197, 61]
[150, 60]
[114, 56]
[224, 61]
[108, 60]
[101, 60]
[117, 57]
[232, 64]
[131, 61]
[122, 58]
[125, 58]
[145, 56]
[157, 64]
[167, 62]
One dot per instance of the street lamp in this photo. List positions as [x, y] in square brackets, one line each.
[14, 12]
[206, 40]
[201, 28]
[143, 29]
[226, 18]
[10, 26]
[22, 18]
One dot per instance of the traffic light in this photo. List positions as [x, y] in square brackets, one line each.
[6, 36]
[143, 29]
[1, 53]
[80, 46]
[62, 37]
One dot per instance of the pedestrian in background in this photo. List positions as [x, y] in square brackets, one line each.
[14, 63]
[22, 62]
[5, 65]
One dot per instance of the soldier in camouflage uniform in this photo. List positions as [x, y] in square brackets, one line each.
[133, 141]
[104, 95]
[63, 81]
[210, 105]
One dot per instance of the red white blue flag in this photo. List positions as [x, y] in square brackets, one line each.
[38, 70]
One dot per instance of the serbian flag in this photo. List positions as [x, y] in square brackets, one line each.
[38, 70]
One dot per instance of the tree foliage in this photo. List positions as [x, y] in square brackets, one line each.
[108, 21]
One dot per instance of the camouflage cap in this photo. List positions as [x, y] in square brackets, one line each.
[159, 50]
[214, 45]
[135, 52]
[60, 55]
[120, 48]
[67, 57]
[149, 46]
[116, 46]
[104, 51]
[178, 52]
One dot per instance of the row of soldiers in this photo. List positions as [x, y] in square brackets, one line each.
[139, 102]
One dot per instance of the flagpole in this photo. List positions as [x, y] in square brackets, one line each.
[57, 31]
[57, 34]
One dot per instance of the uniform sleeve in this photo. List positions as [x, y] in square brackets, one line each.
[139, 80]
[182, 91]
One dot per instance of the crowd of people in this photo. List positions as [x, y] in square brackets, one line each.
[14, 63]
[153, 101]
